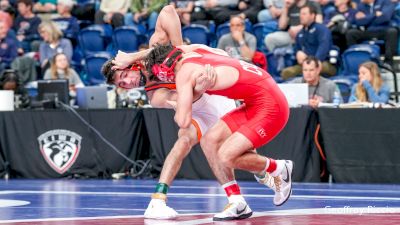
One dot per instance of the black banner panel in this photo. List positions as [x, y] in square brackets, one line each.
[54, 144]
[362, 145]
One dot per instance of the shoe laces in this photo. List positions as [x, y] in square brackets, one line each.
[268, 181]
[277, 182]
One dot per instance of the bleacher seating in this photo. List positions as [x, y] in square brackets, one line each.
[356, 55]
[93, 64]
[222, 29]
[197, 34]
[91, 40]
[126, 39]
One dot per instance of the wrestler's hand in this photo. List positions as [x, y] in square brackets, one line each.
[123, 60]
[205, 80]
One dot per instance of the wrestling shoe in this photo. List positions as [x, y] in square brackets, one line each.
[234, 211]
[159, 210]
[266, 179]
[281, 184]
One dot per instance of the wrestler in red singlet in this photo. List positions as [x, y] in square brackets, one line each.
[265, 111]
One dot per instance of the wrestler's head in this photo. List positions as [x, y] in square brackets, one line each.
[124, 78]
[161, 61]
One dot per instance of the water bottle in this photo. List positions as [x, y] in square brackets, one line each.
[336, 98]
[333, 56]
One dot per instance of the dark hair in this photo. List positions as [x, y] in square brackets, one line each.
[311, 8]
[158, 55]
[9, 75]
[26, 2]
[309, 59]
[108, 72]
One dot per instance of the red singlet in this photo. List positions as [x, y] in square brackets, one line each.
[265, 112]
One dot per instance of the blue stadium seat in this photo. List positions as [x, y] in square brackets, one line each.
[126, 39]
[91, 40]
[222, 29]
[358, 54]
[345, 84]
[277, 63]
[260, 30]
[248, 26]
[197, 34]
[270, 27]
[93, 64]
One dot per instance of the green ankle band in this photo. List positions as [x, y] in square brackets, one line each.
[161, 188]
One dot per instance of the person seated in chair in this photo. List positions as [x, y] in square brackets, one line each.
[320, 89]
[238, 43]
[314, 39]
[373, 21]
[370, 87]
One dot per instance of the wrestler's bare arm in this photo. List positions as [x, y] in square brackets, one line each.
[168, 29]
[185, 83]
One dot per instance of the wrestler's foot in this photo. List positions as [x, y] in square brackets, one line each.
[235, 210]
[265, 179]
[158, 209]
[281, 184]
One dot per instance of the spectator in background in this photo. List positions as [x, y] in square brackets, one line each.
[289, 24]
[45, 6]
[326, 6]
[184, 9]
[273, 10]
[60, 69]
[52, 44]
[112, 12]
[84, 11]
[370, 87]
[339, 21]
[66, 22]
[320, 89]
[9, 80]
[4, 4]
[8, 47]
[245, 9]
[9, 8]
[26, 26]
[373, 19]
[145, 11]
[6, 18]
[314, 39]
[238, 43]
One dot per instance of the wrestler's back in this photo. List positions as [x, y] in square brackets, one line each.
[234, 77]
